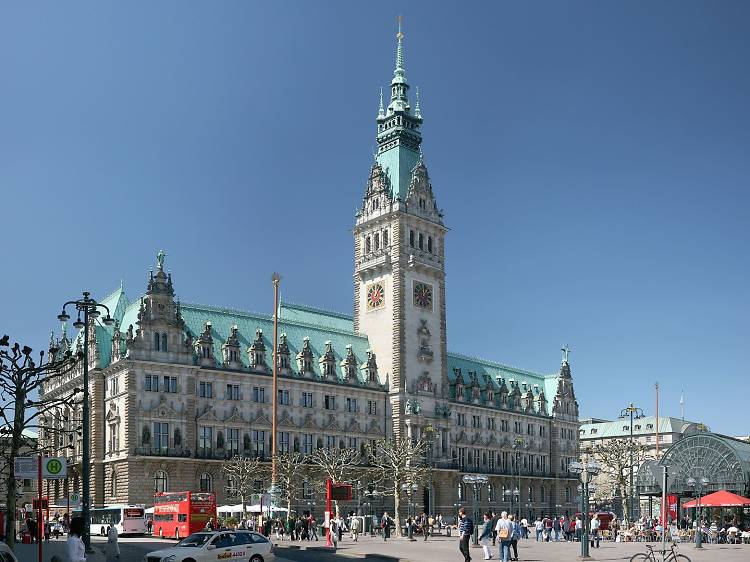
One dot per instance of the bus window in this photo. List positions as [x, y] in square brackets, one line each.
[182, 517]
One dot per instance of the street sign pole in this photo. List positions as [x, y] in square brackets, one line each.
[39, 524]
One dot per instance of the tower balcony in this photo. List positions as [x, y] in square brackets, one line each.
[374, 262]
[420, 258]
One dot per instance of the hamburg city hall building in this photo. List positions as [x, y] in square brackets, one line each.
[178, 388]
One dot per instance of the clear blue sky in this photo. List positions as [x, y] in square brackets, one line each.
[591, 158]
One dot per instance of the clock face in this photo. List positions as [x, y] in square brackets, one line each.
[422, 295]
[375, 296]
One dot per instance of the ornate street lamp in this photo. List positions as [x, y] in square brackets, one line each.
[635, 413]
[90, 309]
[476, 480]
[585, 470]
[698, 485]
[518, 445]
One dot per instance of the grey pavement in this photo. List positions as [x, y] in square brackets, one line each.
[436, 549]
[445, 549]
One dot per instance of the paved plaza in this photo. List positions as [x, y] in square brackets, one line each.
[437, 549]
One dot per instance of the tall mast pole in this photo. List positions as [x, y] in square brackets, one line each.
[276, 279]
[657, 420]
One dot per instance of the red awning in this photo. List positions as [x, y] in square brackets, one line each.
[722, 498]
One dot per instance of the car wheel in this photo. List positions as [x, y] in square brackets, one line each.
[256, 558]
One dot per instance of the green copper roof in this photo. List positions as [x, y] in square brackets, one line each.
[398, 163]
[316, 317]
[643, 426]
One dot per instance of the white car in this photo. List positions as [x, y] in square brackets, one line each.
[6, 554]
[237, 546]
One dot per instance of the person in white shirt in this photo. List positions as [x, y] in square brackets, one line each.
[112, 550]
[75, 547]
[579, 529]
[524, 528]
[595, 524]
[538, 527]
[504, 530]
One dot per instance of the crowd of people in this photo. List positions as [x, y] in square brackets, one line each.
[505, 530]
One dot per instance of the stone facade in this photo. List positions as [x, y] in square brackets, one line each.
[178, 388]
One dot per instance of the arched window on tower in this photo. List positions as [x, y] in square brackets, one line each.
[421, 241]
[164, 342]
[429, 244]
[377, 241]
[367, 245]
[385, 237]
[156, 341]
[411, 238]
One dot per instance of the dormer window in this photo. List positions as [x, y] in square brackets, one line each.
[593, 431]
[649, 426]
[638, 426]
[625, 427]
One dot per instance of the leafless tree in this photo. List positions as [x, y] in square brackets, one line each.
[291, 469]
[399, 461]
[614, 455]
[242, 472]
[23, 405]
[336, 463]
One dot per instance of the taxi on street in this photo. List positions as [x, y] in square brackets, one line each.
[234, 546]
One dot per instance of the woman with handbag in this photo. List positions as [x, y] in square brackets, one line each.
[504, 530]
[485, 536]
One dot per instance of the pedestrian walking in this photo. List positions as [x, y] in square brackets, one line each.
[356, 527]
[75, 547]
[112, 550]
[524, 528]
[385, 524]
[579, 528]
[538, 527]
[514, 536]
[595, 524]
[465, 530]
[485, 536]
[556, 527]
[504, 530]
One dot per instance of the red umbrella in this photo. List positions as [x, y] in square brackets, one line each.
[722, 498]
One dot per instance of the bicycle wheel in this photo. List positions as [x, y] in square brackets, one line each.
[682, 558]
[641, 557]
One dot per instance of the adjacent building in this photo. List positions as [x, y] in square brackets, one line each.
[178, 388]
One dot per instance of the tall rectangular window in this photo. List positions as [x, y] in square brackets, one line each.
[259, 394]
[233, 392]
[169, 384]
[351, 405]
[233, 441]
[206, 390]
[372, 407]
[330, 402]
[205, 438]
[352, 442]
[258, 439]
[307, 443]
[161, 436]
[283, 397]
[330, 442]
[307, 399]
[283, 441]
[151, 383]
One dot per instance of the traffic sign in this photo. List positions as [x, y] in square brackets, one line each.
[54, 467]
[25, 467]
[74, 499]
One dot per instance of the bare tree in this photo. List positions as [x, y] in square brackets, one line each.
[241, 472]
[615, 457]
[335, 463]
[399, 461]
[291, 469]
[23, 405]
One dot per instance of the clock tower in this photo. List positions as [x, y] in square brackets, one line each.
[399, 276]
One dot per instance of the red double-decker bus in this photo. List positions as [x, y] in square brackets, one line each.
[178, 514]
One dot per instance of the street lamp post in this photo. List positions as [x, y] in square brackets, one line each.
[635, 413]
[585, 471]
[90, 309]
[276, 280]
[409, 489]
[476, 480]
[698, 485]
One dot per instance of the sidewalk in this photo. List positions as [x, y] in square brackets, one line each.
[28, 552]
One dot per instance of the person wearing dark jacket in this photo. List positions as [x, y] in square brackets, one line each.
[465, 530]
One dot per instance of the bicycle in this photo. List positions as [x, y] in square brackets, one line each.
[650, 556]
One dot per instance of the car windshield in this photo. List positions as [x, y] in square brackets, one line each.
[195, 540]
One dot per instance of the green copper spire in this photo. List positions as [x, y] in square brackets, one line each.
[399, 137]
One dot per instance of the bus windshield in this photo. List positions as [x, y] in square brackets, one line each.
[195, 540]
